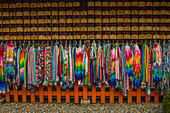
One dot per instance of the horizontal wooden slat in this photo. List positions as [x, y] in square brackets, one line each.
[80, 93]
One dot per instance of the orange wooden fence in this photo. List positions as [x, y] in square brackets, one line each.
[85, 93]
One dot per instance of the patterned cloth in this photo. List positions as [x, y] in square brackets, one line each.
[137, 66]
[108, 61]
[48, 65]
[31, 70]
[40, 65]
[2, 80]
[55, 76]
[22, 60]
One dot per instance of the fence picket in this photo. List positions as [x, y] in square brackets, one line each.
[138, 95]
[111, 95]
[67, 95]
[130, 93]
[103, 93]
[7, 97]
[156, 99]
[120, 97]
[76, 94]
[15, 95]
[93, 93]
[49, 94]
[84, 92]
[58, 93]
[24, 99]
[41, 94]
[32, 97]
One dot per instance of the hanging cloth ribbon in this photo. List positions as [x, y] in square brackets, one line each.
[48, 65]
[15, 65]
[71, 77]
[165, 59]
[25, 68]
[18, 65]
[89, 66]
[129, 63]
[2, 80]
[108, 61]
[145, 64]
[74, 62]
[118, 65]
[157, 70]
[99, 64]
[8, 71]
[145, 68]
[65, 83]
[22, 60]
[93, 62]
[31, 80]
[104, 63]
[79, 64]
[62, 70]
[40, 64]
[124, 75]
[55, 77]
[137, 66]
[113, 76]
[85, 65]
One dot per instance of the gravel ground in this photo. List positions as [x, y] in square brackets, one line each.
[72, 108]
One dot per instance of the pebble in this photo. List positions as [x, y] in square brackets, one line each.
[72, 108]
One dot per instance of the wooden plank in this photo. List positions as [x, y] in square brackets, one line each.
[67, 95]
[93, 93]
[32, 97]
[49, 94]
[120, 97]
[147, 99]
[84, 92]
[103, 93]
[15, 95]
[156, 97]
[130, 93]
[58, 93]
[24, 98]
[111, 95]
[76, 97]
[41, 94]
[138, 95]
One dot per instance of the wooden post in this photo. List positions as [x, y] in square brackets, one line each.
[7, 97]
[15, 95]
[49, 94]
[24, 98]
[156, 97]
[130, 93]
[84, 92]
[111, 95]
[32, 97]
[138, 95]
[93, 93]
[67, 95]
[147, 99]
[58, 93]
[103, 93]
[120, 96]
[76, 92]
[41, 94]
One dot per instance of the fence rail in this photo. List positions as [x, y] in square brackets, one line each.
[85, 93]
